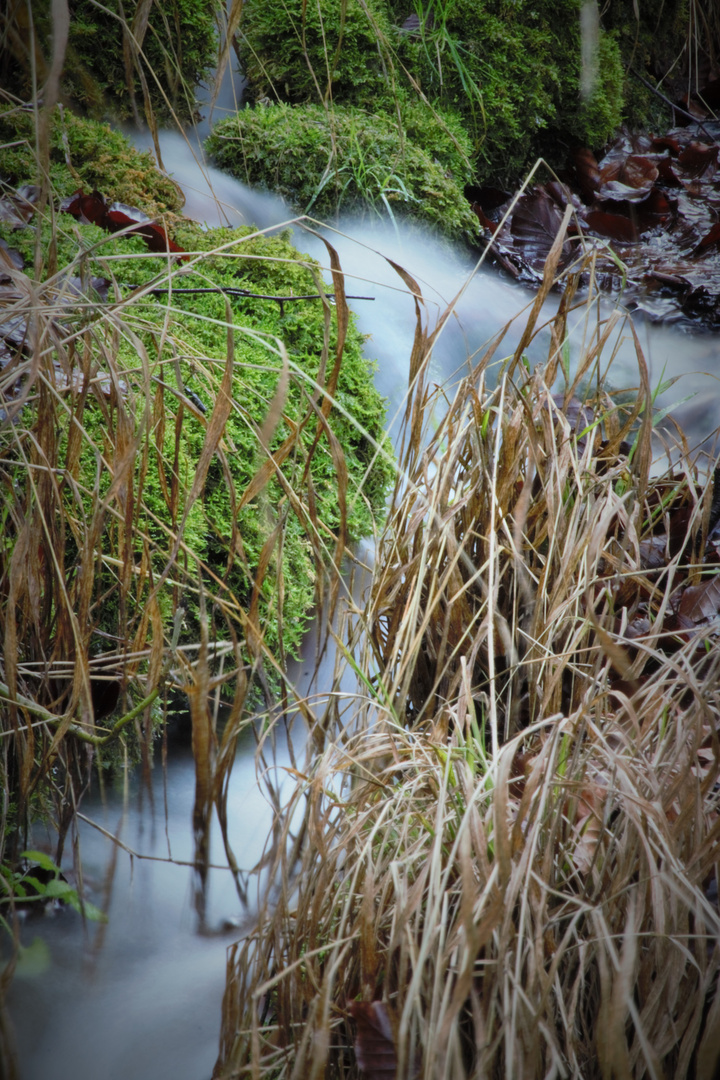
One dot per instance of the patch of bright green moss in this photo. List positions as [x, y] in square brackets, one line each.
[176, 345]
[509, 68]
[299, 52]
[87, 154]
[347, 160]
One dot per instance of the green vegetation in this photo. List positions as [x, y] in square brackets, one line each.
[181, 473]
[513, 72]
[84, 153]
[114, 48]
[183, 340]
[345, 159]
[298, 52]
[510, 70]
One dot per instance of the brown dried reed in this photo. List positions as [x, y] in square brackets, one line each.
[509, 838]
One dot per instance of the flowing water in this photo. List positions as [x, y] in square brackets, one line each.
[141, 998]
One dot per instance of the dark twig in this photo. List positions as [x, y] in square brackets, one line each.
[281, 300]
[672, 105]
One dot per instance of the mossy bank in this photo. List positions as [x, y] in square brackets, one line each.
[120, 57]
[510, 70]
[138, 371]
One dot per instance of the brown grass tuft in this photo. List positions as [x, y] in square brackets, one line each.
[509, 840]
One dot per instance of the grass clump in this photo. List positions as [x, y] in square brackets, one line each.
[345, 160]
[182, 472]
[507, 864]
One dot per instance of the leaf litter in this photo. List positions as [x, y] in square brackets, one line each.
[648, 209]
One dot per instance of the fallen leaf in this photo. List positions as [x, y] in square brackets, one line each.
[698, 159]
[587, 172]
[700, 603]
[374, 1041]
[628, 180]
[535, 223]
[612, 226]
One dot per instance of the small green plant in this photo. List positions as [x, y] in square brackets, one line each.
[27, 886]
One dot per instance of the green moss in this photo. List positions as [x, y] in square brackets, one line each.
[510, 69]
[88, 154]
[298, 52]
[178, 52]
[185, 346]
[347, 160]
[653, 38]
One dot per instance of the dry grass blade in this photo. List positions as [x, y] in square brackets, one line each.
[511, 842]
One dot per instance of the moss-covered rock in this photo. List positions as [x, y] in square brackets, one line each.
[325, 161]
[512, 70]
[298, 52]
[169, 354]
[179, 49]
[88, 154]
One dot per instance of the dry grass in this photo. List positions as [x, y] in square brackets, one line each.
[510, 837]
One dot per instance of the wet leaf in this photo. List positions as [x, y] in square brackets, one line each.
[11, 257]
[588, 173]
[667, 142]
[613, 226]
[698, 159]
[710, 239]
[535, 224]
[374, 1041]
[700, 603]
[628, 180]
[93, 209]
[19, 208]
[88, 209]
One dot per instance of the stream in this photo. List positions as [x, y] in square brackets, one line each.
[140, 998]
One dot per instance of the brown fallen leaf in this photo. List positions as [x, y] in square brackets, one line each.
[700, 603]
[374, 1041]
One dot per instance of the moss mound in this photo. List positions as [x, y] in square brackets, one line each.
[298, 52]
[156, 364]
[178, 48]
[512, 70]
[345, 159]
[88, 154]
